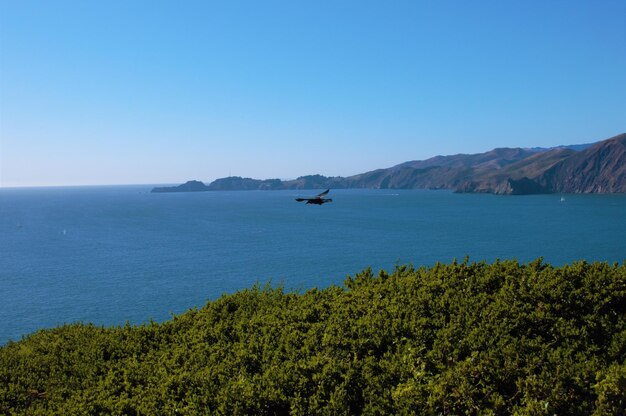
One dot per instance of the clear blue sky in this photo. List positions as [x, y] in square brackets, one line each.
[113, 92]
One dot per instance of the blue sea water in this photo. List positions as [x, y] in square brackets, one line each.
[114, 254]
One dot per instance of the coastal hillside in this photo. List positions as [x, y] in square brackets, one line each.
[596, 168]
[462, 338]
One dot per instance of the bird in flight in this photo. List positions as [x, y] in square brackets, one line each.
[317, 199]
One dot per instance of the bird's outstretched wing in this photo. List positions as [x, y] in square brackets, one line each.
[317, 200]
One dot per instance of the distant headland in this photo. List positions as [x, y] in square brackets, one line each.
[189, 186]
[591, 168]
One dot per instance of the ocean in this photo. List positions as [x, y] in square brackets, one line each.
[114, 254]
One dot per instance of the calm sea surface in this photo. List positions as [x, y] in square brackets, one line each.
[112, 254]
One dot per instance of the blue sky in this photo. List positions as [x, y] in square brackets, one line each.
[116, 92]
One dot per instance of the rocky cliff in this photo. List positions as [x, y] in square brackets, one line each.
[600, 168]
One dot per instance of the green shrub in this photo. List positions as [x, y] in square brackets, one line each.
[464, 338]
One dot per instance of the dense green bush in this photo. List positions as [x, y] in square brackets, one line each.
[464, 338]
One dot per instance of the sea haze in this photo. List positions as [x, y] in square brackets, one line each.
[111, 254]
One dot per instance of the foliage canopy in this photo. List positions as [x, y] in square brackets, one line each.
[463, 338]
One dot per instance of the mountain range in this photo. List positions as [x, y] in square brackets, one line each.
[591, 168]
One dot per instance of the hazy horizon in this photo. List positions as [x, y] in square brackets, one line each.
[121, 93]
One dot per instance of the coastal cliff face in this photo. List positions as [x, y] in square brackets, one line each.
[597, 168]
